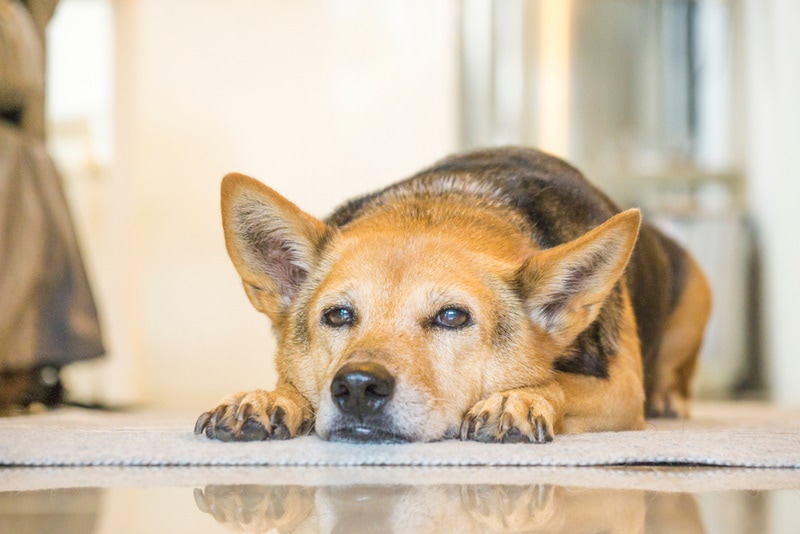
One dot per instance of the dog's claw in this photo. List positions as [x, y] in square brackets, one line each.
[277, 416]
[472, 424]
[201, 423]
[506, 422]
[277, 421]
[542, 435]
[465, 426]
[510, 433]
[244, 412]
[478, 424]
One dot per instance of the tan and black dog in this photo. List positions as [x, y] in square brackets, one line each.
[496, 296]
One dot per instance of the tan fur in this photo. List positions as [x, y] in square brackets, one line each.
[548, 270]
[402, 273]
[241, 192]
[608, 404]
[398, 266]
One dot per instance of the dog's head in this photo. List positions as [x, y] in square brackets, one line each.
[397, 323]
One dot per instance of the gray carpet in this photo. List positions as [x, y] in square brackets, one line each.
[649, 478]
[733, 435]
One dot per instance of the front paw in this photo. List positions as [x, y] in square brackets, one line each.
[515, 416]
[258, 415]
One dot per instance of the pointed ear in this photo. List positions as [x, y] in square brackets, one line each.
[565, 287]
[271, 241]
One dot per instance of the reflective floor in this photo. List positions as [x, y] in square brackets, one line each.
[383, 500]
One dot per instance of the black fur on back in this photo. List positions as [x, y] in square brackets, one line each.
[559, 205]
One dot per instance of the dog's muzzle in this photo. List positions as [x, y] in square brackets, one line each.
[361, 391]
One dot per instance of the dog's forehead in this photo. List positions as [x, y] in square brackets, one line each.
[409, 252]
[398, 259]
[414, 265]
[448, 230]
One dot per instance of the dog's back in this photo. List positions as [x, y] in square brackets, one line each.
[666, 287]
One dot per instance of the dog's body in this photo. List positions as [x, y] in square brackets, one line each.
[486, 298]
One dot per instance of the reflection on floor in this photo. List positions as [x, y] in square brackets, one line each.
[538, 508]
[62, 510]
[461, 508]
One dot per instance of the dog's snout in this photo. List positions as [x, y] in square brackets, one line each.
[362, 388]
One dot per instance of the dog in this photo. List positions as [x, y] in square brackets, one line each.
[496, 296]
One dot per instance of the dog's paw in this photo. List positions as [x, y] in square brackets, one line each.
[258, 415]
[515, 416]
[668, 404]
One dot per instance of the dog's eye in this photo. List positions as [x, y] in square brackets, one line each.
[452, 318]
[338, 317]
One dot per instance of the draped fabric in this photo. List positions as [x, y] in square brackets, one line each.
[47, 312]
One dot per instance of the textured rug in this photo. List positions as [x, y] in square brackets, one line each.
[731, 435]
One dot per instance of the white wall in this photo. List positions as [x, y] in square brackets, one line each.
[321, 100]
[773, 155]
[80, 118]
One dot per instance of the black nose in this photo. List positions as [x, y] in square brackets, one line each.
[362, 388]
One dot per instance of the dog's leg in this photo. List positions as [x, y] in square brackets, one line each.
[612, 403]
[677, 356]
[531, 415]
[258, 415]
[571, 403]
[604, 404]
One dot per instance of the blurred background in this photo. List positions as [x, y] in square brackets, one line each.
[688, 109]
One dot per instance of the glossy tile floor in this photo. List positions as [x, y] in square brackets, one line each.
[161, 500]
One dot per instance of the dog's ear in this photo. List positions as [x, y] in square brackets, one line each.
[565, 287]
[271, 241]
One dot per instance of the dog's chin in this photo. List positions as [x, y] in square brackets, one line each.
[366, 434]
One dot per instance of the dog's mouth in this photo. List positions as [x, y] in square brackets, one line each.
[366, 434]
